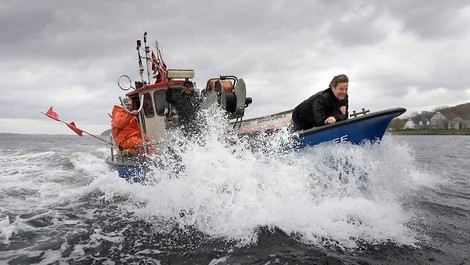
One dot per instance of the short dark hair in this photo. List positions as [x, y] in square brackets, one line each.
[188, 83]
[338, 79]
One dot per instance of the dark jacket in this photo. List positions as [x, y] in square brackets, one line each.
[313, 111]
[187, 105]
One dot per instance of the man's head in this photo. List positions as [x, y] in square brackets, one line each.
[339, 86]
[128, 103]
[188, 86]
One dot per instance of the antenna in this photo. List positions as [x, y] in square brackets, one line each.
[141, 66]
[147, 51]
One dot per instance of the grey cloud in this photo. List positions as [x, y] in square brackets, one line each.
[432, 20]
[360, 29]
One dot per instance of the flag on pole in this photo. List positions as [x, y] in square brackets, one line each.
[74, 128]
[53, 115]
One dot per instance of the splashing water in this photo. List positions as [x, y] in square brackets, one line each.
[228, 187]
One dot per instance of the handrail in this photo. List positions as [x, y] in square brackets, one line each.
[140, 107]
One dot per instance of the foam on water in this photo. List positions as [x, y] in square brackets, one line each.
[34, 182]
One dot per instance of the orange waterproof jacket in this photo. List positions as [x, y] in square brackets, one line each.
[125, 129]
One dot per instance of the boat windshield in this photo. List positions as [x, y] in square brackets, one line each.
[160, 102]
[148, 107]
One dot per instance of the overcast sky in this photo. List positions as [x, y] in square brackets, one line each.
[69, 54]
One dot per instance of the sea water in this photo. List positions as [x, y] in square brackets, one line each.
[226, 200]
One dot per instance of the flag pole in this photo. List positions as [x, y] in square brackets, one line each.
[51, 114]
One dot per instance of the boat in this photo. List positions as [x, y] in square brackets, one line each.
[362, 127]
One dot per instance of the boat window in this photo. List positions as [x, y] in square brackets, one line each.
[148, 106]
[160, 102]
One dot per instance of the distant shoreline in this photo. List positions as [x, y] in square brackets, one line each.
[430, 132]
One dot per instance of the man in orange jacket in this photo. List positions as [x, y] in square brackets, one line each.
[125, 128]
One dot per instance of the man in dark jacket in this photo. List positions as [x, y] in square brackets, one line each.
[325, 107]
[187, 103]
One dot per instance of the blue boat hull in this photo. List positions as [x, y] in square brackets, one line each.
[130, 169]
[370, 127]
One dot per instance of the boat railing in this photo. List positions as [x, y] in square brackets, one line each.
[355, 113]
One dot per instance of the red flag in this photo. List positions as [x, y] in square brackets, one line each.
[74, 128]
[154, 62]
[53, 115]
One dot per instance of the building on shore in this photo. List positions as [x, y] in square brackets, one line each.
[409, 124]
[438, 121]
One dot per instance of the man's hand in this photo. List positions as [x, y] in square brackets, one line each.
[330, 120]
[134, 112]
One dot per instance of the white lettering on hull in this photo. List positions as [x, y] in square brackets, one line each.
[340, 139]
